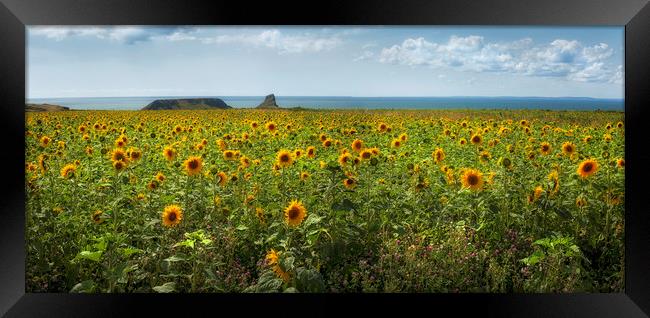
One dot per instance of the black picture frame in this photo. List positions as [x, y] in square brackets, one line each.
[15, 15]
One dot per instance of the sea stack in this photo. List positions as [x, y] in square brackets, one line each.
[268, 103]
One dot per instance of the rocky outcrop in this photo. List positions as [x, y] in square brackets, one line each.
[187, 103]
[44, 108]
[269, 102]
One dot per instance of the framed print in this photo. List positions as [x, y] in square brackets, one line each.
[481, 158]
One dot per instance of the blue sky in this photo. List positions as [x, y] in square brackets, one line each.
[102, 61]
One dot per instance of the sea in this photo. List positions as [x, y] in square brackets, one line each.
[345, 102]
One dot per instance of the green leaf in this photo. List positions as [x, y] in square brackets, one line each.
[87, 286]
[188, 243]
[176, 258]
[290, 290]
[126, 252]
[286, 263]
[533, 259]
[166, 288]
[242, 228]
[309, 280]
[93, 256]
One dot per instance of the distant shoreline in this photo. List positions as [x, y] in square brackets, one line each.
[361, 103]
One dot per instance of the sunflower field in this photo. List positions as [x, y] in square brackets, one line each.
[324, 201]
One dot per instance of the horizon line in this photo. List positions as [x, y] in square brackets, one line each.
[349, 96]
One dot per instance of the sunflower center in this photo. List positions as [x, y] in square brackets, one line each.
[193, 164]
[284, 158]
[293, 213]
[172, 216]
[545, 148]
[587, 167]
[472, 179]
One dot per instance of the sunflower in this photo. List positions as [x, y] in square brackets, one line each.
[169, 153]
[462, 141]
[134, 154]
[619, 124]
[295, 213]
[382, 127]
[284, 158]
[484, 156]
[45, 140]
[223, 178]
[587, 139]
[396, 143]
[271, 126]
[349, 183]
[344, 158]
[193, 165]
[620, 163]
[438, 155]
[365, 154]
[472, 179]
[357, 145]
[254, 124]
[68, 170]
[311, 152]
[327, 143]
[581, 202]
[545, 148]
[97, 217]
[403, 137]
[119, 154]
[244, 161]
[271, 258]
[568, 148]
[172, 215]
[160, 177]
[587, 168]
[229, 155]
[119, 165]
[537, 193]
[152, 185]
[304, 175]
[476, 139]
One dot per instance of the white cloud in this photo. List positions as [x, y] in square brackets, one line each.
[274, 39]
[128, 35]
[559, 58]
[366, 55]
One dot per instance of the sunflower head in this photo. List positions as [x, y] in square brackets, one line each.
[472, 179]
[172, 215]
[119, 165]
[545, 148]
[587, 168]
[357, 145]
[119, 154]
[349, 183]
[620, 163]
[568, 148]
[284, 158]
[193, 165]
[345, 158]
[476, 139]
[295, 213]
[97, 217]
[311, 152]
[68, 171]
[396, 143]
[438, 155]
[169, 153]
